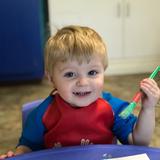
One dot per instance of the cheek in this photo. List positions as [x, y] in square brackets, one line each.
[65, 91]
[63, 87]
[100, 83]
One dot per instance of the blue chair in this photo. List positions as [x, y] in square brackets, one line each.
[28, 107]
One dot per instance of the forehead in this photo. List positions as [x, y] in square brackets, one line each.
[93, 61]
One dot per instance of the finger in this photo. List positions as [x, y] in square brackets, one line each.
[150, 81]
[10, 154]
[149, 85]
[3, 156]
[147, 89]
[151, 91]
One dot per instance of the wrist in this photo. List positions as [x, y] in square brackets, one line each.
[148, 109]
[22, 149]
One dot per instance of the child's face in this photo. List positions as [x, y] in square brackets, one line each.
[79, 84]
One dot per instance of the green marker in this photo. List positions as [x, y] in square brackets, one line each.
[154, 73]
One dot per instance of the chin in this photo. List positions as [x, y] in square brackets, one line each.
[83, 104]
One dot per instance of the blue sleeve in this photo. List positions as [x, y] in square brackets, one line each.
[122, 127]
[33, 130]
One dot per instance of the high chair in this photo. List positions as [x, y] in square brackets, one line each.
[28, 107]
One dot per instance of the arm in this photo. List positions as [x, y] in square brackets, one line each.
[22, 149]
[19, 150]
[144, 127]
[121, 127]
[32, 133]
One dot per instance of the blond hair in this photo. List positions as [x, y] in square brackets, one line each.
[74, 42]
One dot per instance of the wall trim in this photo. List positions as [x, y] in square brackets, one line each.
[132, 66]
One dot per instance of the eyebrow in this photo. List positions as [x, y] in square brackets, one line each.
[72, 67]
[64, 68]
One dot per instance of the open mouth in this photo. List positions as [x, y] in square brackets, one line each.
[82, 93]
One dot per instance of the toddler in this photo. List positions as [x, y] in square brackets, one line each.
[78, 112]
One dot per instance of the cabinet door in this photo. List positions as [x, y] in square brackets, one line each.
[105, 16]
[142, 28]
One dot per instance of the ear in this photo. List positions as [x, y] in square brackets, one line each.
[48, 77]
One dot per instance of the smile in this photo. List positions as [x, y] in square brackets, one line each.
[82, 93]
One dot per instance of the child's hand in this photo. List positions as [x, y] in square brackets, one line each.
[151, 93]
[7, 155]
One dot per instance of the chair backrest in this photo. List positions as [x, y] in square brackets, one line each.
[28, 107]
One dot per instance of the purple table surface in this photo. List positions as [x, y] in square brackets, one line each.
[90, 152]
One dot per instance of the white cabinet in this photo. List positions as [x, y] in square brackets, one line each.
[142, 28]
[131, 29]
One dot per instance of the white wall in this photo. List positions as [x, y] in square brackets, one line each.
[133, 43]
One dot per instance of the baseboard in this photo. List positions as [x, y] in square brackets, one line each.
[132, 66]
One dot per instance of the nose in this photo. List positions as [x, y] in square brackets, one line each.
[82, 81]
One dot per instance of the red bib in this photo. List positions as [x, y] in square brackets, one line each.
[69, 126]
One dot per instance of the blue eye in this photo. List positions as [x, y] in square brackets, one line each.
[92, 73]
[69, 74]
